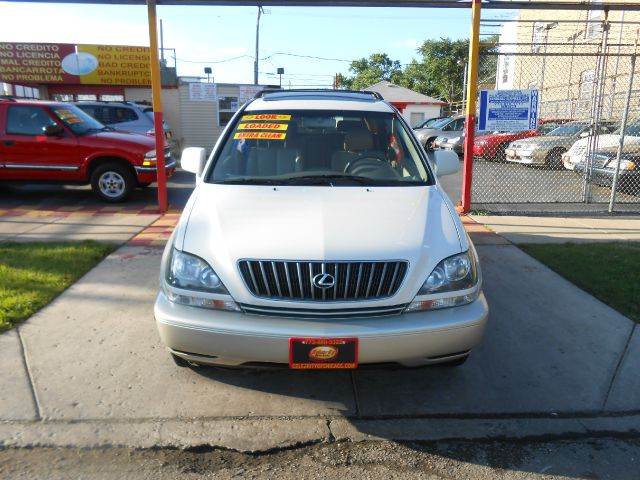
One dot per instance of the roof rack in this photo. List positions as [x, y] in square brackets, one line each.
[8, 98]
[266, 91]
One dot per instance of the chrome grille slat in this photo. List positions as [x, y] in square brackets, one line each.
[286, 272]
[264, 278]
[353, 281]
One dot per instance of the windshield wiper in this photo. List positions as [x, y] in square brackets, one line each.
[329, 179]
[251, 181]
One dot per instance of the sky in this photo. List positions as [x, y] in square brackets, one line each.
[223, 38]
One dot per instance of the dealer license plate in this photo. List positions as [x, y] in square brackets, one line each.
[323, 353]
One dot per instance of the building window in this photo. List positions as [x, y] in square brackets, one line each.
[112, 98]
[594, 19]
[227, 107]
[63, 97]
[587, 81]
[87, 97]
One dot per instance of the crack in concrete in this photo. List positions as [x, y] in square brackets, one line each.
[618, 366]
[32, 388]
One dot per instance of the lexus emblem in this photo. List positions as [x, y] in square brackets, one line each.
[324, 280]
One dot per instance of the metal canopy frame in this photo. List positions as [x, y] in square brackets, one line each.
[473, 5]
[486, 4]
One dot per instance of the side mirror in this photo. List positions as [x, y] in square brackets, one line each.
[446, 162]
[193, 160]
[54, 131]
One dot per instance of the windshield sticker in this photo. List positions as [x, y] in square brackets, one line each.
[266, 116]
[263, 126]
[74, 120]
[260, 135]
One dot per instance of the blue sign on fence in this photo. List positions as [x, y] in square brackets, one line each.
[508, 110]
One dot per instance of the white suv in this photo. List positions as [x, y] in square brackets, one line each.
[318, 237]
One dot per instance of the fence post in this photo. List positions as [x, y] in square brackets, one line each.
[614, 184]
[470, 121]
[596, 110]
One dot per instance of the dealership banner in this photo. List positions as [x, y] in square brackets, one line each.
[74, 64]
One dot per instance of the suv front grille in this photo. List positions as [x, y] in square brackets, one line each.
[291, 280]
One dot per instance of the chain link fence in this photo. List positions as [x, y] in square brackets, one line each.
[585, 154]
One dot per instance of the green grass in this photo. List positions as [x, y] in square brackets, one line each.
[33, 274]
[608, 271]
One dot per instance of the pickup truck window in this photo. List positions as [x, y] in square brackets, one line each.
[27, 120]
[314, 147]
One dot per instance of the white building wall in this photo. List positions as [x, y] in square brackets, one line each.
[428, 111]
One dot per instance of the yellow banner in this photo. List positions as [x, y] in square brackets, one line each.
[266, 116]
[263, 126]
[260, 135]
[117, 65]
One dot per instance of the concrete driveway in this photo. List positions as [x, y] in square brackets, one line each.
[89, 369]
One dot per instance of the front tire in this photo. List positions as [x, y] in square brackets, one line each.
[112, 182]
[428, 145]
[554, 159]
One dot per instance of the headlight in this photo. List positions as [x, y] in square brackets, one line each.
[192, 273]
[626, 165]
[528, 146]
[188, 272]
[453, 274]
[150, 155]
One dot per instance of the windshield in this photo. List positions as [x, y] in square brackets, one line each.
[440, 123]
[632, 129]
[78, 121]
[313, 147]
[568, 129]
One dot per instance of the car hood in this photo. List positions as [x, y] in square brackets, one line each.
[228, 223]
[108, 137]
[606, 141]
[546, 140]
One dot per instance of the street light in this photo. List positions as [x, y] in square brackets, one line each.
[546, 27]
[208, 71]
[280, 72]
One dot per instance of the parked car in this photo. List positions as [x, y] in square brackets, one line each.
[429, 122]
[318, 236]
[494, 146]
[427, 136]
[547, 150]
[57, 142]
[604, 167]
[578, 151]
[127, 116]
[453, 141]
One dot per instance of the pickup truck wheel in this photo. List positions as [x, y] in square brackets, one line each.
[112, 182]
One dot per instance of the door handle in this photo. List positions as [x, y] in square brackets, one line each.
[8, 143]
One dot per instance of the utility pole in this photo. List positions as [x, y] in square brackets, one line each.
[255, 64]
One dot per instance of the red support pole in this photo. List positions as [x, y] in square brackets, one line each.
[160, 164]
[470, 119]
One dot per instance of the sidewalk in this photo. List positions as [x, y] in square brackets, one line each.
[89, 369]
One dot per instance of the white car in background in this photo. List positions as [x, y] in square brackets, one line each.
[578, 151]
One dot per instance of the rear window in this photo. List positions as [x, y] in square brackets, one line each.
[320, 147]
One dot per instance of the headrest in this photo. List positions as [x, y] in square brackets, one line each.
[359, 141]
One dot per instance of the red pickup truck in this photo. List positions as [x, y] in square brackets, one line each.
[57, 142]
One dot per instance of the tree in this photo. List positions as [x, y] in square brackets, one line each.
[441, 71]
[369, 71]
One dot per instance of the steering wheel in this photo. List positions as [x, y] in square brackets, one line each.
[364, 165]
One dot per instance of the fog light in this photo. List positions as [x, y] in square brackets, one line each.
[202, 302]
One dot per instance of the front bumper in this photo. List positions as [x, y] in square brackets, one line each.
[627, 179]
[149, 174]
[452, 147]
[219, 337]
[527, 157]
